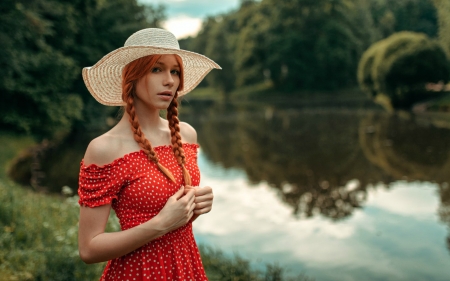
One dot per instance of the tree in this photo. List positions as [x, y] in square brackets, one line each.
[404, 15]
[45, 43]
[399, 66]
[443, 11]
[316, 44]
[35, 77]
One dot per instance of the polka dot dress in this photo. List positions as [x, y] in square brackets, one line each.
[137, 191]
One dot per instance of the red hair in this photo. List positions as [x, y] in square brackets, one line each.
[131, 74]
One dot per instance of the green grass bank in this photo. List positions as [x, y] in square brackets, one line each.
[38, 236]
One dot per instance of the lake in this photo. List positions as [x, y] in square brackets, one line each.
[331, 188]
[333, 191]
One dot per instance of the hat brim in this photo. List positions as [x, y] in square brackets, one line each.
[104, 79]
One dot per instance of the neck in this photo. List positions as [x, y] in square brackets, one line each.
[149, 121]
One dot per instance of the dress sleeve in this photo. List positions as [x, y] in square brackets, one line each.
[100, 185]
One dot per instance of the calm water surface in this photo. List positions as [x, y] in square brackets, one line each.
[335, 193]
[337, 190]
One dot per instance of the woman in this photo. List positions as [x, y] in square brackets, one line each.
[144, 167]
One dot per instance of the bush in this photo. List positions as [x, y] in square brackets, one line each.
[400, 66]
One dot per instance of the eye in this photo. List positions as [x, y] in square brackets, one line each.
[156, 69]
[175, 72]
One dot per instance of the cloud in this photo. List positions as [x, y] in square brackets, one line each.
[183, 26]
[416, 200]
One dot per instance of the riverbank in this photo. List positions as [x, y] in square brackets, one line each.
[265, 92]
[38, 239]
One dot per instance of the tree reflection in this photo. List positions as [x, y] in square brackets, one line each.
[312, 158]
[323, 161]
[444, 208]
[405, 148]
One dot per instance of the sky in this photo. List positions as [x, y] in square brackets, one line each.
[184, 17]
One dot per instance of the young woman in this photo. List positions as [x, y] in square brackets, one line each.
[145, 167]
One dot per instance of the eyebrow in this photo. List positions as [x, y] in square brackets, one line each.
[161, 63]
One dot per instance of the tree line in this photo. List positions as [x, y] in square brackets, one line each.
[45, 44]
[292, 45]
[297, 45]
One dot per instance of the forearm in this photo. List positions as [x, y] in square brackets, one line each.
[107, 246]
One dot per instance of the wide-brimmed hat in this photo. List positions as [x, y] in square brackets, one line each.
[104, 79]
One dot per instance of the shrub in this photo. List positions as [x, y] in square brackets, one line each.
[400, 66]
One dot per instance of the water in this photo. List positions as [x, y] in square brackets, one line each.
[334, 193]
[337, 190]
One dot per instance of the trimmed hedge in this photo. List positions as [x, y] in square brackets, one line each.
[400, 66]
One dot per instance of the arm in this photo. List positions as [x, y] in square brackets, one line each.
[203, 196]
[96, 246]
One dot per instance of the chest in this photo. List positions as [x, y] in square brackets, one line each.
[148, 189]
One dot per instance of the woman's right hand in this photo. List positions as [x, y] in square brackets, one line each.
[178, 210]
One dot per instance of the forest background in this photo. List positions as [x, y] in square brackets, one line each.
[293, 48]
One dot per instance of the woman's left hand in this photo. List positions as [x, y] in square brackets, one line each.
[203, 199]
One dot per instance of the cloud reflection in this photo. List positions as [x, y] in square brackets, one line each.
[395, 236]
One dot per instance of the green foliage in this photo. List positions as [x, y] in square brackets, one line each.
[220, 267]
[365, 67]
[295, 44]
[38, 236]
[443, 11]
[404, 15]
[400, 65]
[39, 240]
[45, 44]
[302, 45]
[35, 77]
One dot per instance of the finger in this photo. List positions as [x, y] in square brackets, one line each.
[187, 188]
[192, 207]
[202, 211]
[202, 205]
[179, 193]
[189, 194]
[203, 198]
[203, 191]
[191, 199]
[191, 214]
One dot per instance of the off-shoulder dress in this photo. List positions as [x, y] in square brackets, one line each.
[137, 191]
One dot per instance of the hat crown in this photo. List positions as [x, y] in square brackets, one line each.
[154, 37]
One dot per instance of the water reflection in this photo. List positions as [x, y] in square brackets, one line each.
[395, 237]
[364, 178]
[322, 161]
[406, 148]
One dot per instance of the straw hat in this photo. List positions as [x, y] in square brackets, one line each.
[104, 79]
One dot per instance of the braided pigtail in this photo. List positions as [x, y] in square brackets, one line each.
[177, 148]
[128, 92]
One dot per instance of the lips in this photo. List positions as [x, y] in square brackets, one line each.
[165, 93]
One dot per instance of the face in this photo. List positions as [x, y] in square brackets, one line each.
[158, 87]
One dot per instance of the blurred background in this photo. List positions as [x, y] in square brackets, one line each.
[326, 136]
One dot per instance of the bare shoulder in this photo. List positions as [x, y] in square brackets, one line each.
[101, 150]
[188, 133]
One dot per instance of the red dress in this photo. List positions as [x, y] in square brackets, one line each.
[138, 190]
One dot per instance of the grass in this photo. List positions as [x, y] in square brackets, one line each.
[38, 236]
[11, 145]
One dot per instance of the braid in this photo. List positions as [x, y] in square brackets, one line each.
[175, 138]
[139, 137]
[131, 73]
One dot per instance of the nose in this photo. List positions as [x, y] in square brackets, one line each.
[168, 79]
